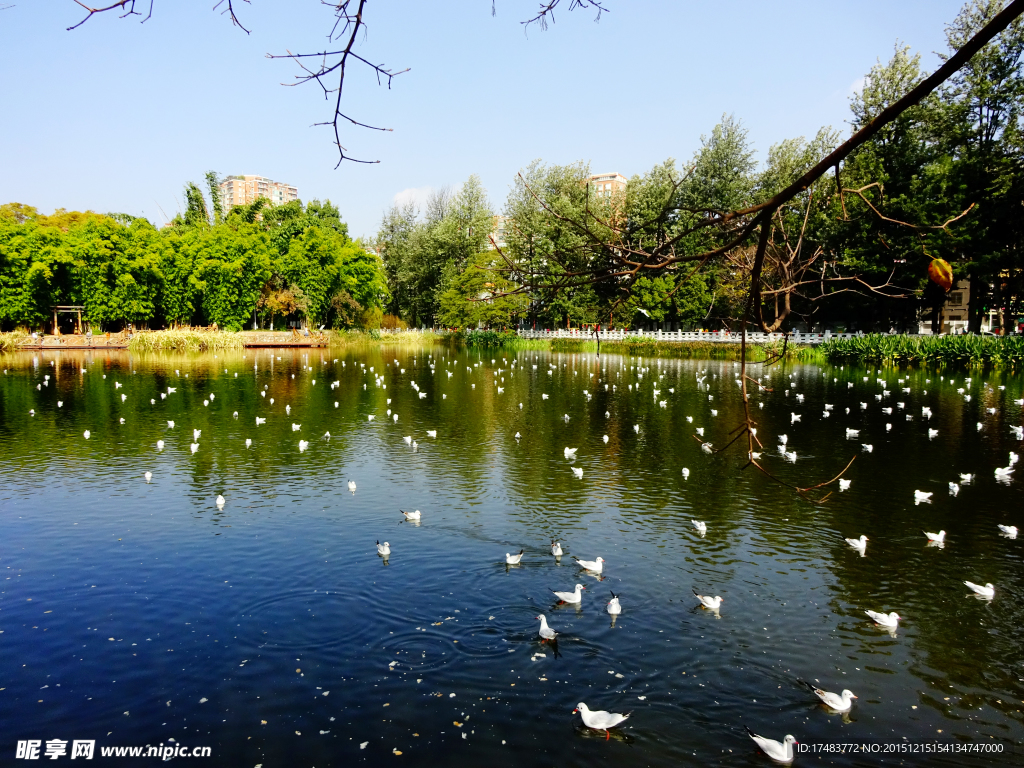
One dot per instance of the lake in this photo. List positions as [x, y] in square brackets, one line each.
[140, 613]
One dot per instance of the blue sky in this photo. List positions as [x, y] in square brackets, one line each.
[117, 115]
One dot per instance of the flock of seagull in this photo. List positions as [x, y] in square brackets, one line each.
[602, 720]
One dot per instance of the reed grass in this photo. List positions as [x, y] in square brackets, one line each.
[964, 350]
[185, 341]
[357, 338]
[11, 342]
[707, 350]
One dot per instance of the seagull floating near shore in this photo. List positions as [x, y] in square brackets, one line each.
[889, 620]
[148, 476]
[686, 473]
[570, 453]
[780, 752]
[1010, 531]
[860, 544]
[613, 605]
[844, 485]
[546, 632]
[383, 549]
[987, 591]
[220, 501]
[352, 485]
[591, 565]
[570, 597]
[702, 527]
[514, 559]
[431, 433]
[556, 549]
[194, 447]
[411, 515]
[600, 720]
[920, 496]
[840, 702]
[159, 445]
[578, 471]
[714, 603]
[248, 442]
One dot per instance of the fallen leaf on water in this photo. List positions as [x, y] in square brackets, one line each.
[363, 745]
[387, 705]
[263, 722]
[325, 693]
[298, 733]
[456, 723]
[642, 698]
[397, 751]
[323, 732]
[203, 700]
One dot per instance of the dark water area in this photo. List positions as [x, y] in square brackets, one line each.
[135, 613]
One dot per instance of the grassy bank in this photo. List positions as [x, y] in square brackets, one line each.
[970, 350]
[383, 338]
[185, 341]
[9, 342]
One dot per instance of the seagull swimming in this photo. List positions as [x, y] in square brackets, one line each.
[920, 496]
[546, 632]
[556, 549]
[591, 565]
[411, 515]
[780, 752]
[938, 538]
[702, 527]
[578, 471]
[148, 476]
[220, 501]
[840, 702]
[686, 473]
[514, 559]
[159, 445]
[844, 485]
[985, 591]
[570, 453]
[860, 544]
[383, 549]
[613, 605]
[599, 720]
[890, 620]
[352, 485]
[714, 603]
[194, 447]
[570, 597]
[1010, 531]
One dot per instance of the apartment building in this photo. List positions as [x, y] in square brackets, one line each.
[607, 184]
[498, 224]
[242, 190]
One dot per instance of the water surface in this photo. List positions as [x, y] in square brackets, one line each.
[270, 630]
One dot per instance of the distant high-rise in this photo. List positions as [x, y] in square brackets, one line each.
[605, 184]
[242, 190]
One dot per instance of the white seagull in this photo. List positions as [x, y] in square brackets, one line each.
[411, 515]
[889, 620]
[556, 549]
[780, 752]
[714, 603]
[599, 720]
[987, 591]
[578, 471]
[920, 496]
[159, 445]
[514, 559]
[570, 453]
[844, 485]
[383, 549]
[352, 485]
[248, 442]
[546, 632]
[613, 605]
[148, 476]
[570, 597]
[220, 501]
[591, 565]
[702, 527]
[686, 473]
[1010, 531]
[840, 702]
[860, 544]
[938, 538]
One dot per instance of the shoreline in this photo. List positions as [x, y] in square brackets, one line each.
[1005, 352]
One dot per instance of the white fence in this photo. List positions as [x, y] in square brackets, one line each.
[712, 336]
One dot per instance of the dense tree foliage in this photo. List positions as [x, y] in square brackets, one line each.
[257, 263]
[851, 252]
